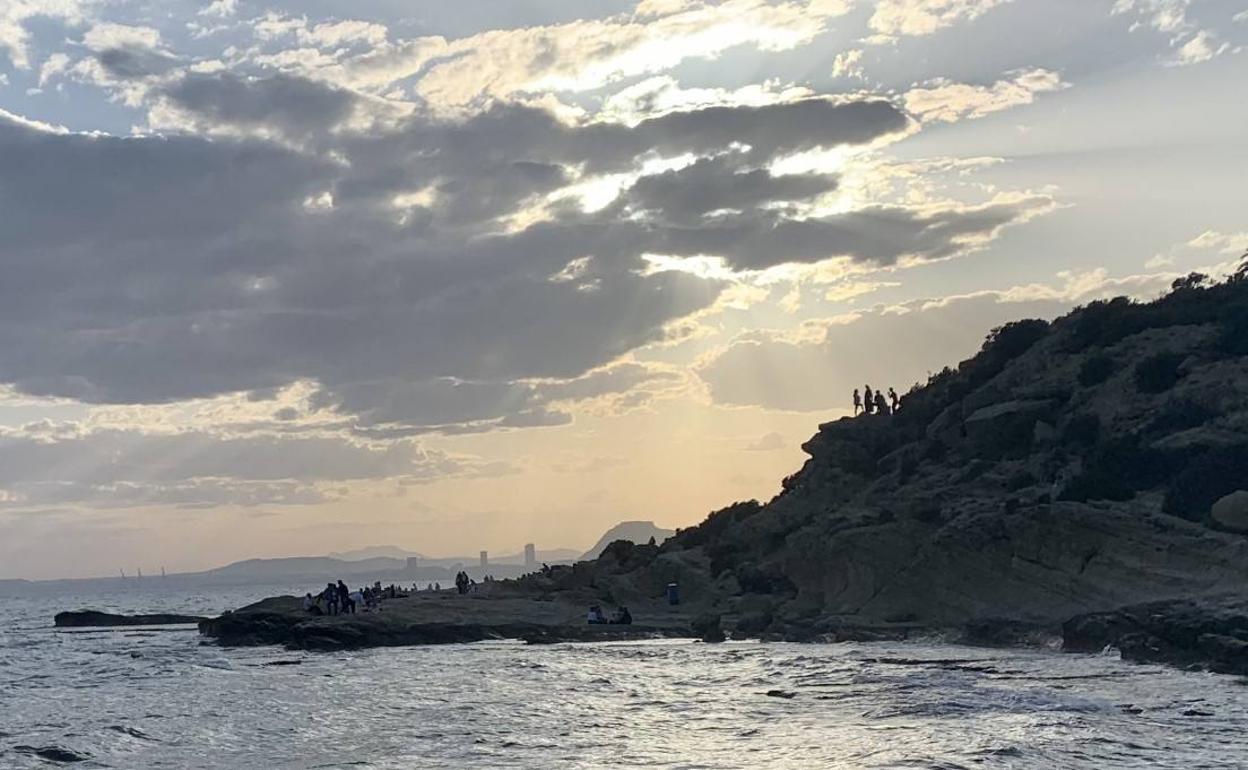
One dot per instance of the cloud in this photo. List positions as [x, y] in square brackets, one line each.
[848, 64]
[893, 18]
[1223, 243]
[14, 14]
[1200, 47]
[581, 55]
[877, 234]
[126, 468]
[1190, 43]
[944, 100]
[686, 195]
[242, 264]
[769, 442]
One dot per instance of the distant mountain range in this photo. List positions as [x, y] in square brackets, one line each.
[376, 552]
[388, 563]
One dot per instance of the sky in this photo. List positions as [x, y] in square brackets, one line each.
[283, 278]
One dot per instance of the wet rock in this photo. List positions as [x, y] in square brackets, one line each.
[1205, 634]
[1002, 632]
[707, 629]
[781, 694]
[52, 754]
[94, 619]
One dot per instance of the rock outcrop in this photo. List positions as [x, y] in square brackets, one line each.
[1210, 633]
[94, 619]
[429, 618]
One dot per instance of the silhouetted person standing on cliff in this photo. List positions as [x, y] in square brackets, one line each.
[893, 399]
[869, 398]
[881, 406]
[857, 402]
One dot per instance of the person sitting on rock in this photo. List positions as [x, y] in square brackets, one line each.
[622, 617]
[868, 400]
[881, 406]
[595, 616]
[894, 400]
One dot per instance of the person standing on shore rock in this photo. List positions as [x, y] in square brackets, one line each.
[893, 399]
[868, 399]
[857, 402]
[344, 596]
[330, 594]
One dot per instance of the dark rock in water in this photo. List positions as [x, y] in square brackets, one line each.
[1211, 635]
[781, 694]
[52, 753]
[94, 619]
[1001, 632]
[707, 629]
[284, 663]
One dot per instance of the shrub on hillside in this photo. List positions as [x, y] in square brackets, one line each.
[1116, 470]
[1096, 370]
[1159, 373]
[1105, 322]
[1205, 479]
[1003, 345]
[1232, 339]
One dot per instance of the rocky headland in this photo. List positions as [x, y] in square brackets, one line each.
[1085, 479]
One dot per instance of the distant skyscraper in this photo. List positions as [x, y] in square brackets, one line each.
[530, 556]
[411, 565]
[485, 559]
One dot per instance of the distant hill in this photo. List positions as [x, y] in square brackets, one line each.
[306, 565]
[376, 552]
[638, 532]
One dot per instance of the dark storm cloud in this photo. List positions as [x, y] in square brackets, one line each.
[153, 269]
[712, 184]
[877, 234]
[135, 63]
[293, 106]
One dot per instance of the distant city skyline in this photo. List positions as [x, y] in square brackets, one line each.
[297, 277]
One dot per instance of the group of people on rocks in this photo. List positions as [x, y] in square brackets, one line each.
[463, 583]
[622, 616]
[874, 402]
[338, 599]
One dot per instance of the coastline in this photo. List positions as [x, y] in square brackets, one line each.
[1209, 635]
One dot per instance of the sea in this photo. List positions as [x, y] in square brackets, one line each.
[165, 698]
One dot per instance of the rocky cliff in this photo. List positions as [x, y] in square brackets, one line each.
[1071, 467]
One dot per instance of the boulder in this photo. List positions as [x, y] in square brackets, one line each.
[1006, 426]
[1231, 512]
